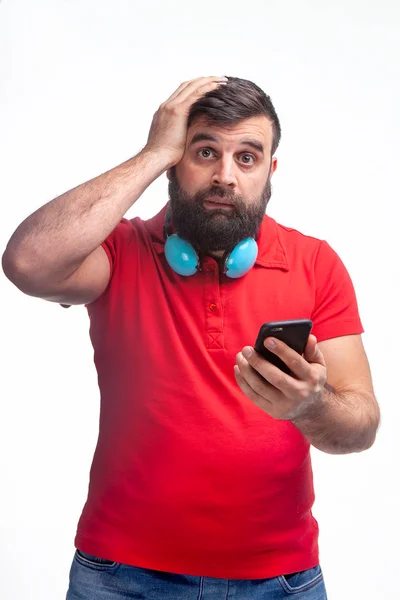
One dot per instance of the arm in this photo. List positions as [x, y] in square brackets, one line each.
[349, 415]
[338, 417]
[56, 252]
[50, 246]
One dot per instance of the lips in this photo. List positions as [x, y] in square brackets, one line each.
[219, 200]
[216, 201]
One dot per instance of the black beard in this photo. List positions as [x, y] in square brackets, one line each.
[216, 229]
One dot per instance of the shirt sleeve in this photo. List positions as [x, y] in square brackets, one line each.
[335, 310]
[116, 243]
[116, 246]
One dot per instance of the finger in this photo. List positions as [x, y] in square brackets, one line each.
[177, 91]
[261, 402]
[197, 89]
[254, 379]
[292, 359]
[312, 353]
[185, 84]
[286, 384]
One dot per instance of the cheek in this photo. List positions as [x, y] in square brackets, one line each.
[191, 176]
[251, 188]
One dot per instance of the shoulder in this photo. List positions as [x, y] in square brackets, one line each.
[298, 247]
[304, 253]
[145, 230]
[127, 231]
[313, 246]
[293, 236]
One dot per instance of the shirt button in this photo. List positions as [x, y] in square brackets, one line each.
[213, 307]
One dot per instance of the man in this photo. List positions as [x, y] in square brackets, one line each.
[201, 483]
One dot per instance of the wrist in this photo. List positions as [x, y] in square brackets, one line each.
[315, 410]
[161, 158]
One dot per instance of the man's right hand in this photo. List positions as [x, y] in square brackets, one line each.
[168, 130]
[56, 252]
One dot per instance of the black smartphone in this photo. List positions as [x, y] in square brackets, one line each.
[293, 333]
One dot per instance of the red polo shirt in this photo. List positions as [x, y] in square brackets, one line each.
[189, 476]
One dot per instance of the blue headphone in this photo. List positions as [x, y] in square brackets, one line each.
[184, 260]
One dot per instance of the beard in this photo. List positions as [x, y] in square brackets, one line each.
[215, 229]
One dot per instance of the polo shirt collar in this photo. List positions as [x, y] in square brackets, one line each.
[271, 247]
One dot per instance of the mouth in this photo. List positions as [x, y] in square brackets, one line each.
[217, 202]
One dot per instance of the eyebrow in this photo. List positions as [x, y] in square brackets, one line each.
[206, 137]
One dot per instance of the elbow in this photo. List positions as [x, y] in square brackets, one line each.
[364, 433]
[11, 266]
[371, 428]
[363, 440]
[17, 269]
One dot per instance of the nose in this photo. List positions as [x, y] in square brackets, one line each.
[224, 173]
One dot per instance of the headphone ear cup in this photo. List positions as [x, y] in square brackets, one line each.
[241, 259]
[181, 256]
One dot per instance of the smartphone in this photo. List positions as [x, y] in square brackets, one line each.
[293, 333]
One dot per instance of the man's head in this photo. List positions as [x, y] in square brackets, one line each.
[220, 189]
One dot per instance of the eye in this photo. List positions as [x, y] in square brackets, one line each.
[206, 153]
[248, 159]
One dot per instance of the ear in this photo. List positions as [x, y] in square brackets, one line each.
[274, 165]
[169, 176]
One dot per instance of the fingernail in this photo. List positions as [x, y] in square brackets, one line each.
[271, 344]
[247, 352]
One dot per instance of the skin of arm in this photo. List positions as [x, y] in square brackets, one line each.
[54, 241]
[51, 245]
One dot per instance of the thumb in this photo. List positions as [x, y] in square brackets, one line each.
[312, 353]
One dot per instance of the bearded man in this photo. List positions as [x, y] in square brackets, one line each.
[201, 483]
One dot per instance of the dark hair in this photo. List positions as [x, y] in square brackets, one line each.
[237, 100]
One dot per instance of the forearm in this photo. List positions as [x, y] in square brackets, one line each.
[345, 422]
[56, 239]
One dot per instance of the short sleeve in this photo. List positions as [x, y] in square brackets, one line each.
[117, 246]
[112, 246]
[117, 242]
[335, 310]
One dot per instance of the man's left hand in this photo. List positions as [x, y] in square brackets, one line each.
[282, 396]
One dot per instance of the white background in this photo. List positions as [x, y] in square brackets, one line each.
[80, 81]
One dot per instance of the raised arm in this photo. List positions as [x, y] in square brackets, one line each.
[56, 252]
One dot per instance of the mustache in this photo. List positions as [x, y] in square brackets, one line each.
[203, 195]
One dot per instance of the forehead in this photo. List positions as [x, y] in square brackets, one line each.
[255, 128]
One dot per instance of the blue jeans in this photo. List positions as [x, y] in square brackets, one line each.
[94, 578]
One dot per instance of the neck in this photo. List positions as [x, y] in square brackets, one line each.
[217, 253]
